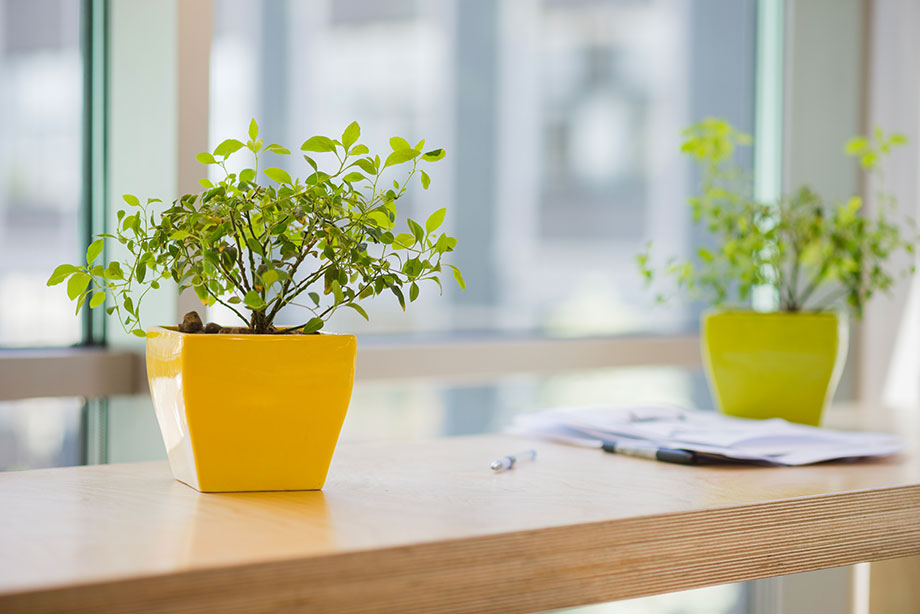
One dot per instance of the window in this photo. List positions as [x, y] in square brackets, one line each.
[42, 214]
[37, 433]
[41, 167]
[561, 121]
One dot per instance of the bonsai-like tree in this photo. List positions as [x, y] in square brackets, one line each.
[320, 243]
[812, 253]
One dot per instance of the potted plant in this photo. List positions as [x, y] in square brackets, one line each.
[258, 406]
[815, 259]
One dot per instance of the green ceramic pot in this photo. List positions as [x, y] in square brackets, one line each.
[774, 365]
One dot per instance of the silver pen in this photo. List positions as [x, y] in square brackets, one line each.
[507, 462]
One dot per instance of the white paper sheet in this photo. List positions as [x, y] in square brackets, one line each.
[706, 432]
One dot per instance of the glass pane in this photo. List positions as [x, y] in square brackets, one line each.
[38, 433]
[41, 123]
[724, 599]
[400, 410]
[561, 121]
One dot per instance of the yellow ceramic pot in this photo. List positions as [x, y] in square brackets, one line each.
[774, 365]
[250, 412]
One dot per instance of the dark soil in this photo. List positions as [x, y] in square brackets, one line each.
[192, 323]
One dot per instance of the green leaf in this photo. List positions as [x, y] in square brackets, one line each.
[228, 147]
[254, 245]
[352, 177]
[417, 231]
[337, 292]
[269, 277]
[253, 300]
[81, 300]
[277, 174]
[869, 160]
[139, 332]
[77, 285]
[205, 183]
[380, 218]
[253, 129]
[403, 241]
[359, 309]
[278, 149]
[318, 144]
[312, 326]
[856, 145]
[397, 143]
[435, 220]
[413, 292]
[128, 222]
[98, 299]
[434, 155]
[247, 175]
[351, 134]
[131, 199]
[458, 277]
[399, 296]
[400, 157]
[367, 166]
[114, 272]
[426, 181]
[441, 245]
[314, 297]
[61, 273]
[358, 150]
[234, 300]
[205, 158]
[412, 268]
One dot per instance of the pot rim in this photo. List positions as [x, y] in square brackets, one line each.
[172, 329]
[751, 313]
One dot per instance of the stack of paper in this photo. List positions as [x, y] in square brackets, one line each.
[705, 432]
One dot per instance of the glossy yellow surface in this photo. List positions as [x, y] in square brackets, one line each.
[774, 365]
[250, 412]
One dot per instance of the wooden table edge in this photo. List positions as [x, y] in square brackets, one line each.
[534, 569]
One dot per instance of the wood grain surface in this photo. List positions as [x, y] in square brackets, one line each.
[425, 527]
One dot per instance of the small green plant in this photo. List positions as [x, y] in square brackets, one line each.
[323, 242]
[813, 254]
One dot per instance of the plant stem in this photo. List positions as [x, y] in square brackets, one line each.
[239, 253]
[815, 283]
[829, 300]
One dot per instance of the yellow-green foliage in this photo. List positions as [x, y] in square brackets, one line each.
[814, 254]
[319, 243]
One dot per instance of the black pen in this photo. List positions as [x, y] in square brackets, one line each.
[650, 451]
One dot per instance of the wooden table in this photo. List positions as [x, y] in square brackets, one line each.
[426, 527]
